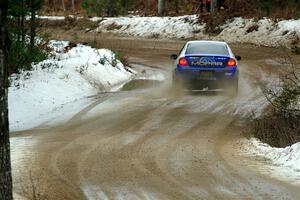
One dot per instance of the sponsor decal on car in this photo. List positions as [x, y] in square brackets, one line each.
[206, 61]
[199, 63]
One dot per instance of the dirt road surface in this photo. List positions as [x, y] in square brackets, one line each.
[147, 144]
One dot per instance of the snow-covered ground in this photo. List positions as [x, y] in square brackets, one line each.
[153, 27]
[263, 32]
[54, 18]
[64, 81]
[284, 163]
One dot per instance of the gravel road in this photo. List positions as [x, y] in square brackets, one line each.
[147, 144]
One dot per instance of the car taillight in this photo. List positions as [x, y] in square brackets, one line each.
[231, 63]
[183, 62]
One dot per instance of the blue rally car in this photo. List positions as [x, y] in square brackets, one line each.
[206, 65]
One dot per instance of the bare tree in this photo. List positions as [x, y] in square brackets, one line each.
[146, 7]
[161, 7]
[63, 5]
[5, 166]
[176, 2]
[73, 5]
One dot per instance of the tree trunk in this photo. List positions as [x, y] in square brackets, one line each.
[213, 4]
[5, 166]
[32, 24]
[110, 8]
[19, 27]
[176, 6]
[23, 32]
[161, 7]
[146, 8]
[63, 5]
[73, 5]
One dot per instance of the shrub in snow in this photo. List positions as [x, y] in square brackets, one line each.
[279, 126]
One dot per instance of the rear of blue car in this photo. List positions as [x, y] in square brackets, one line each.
[203, 64]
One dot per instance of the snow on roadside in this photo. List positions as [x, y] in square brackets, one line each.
[152, 27]
[285, 162]
[239, 30]
[37, 96]
[262, 32]
[54, 18]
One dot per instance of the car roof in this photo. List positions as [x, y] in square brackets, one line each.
[207, 41]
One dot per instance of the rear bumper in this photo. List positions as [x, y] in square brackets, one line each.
[207, 74]
[207, 78]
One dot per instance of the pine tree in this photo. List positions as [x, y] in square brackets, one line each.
[22, 52]
[34, 6]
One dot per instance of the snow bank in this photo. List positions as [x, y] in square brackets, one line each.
[65, 78]
[152, 27]
[263, 32]
[285, 161]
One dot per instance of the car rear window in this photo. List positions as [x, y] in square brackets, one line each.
[207, 48]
